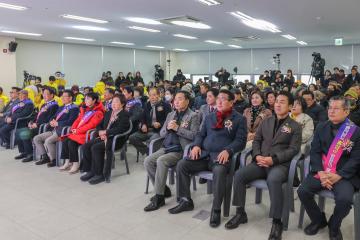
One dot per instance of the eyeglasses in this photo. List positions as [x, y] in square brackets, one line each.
[335, 109]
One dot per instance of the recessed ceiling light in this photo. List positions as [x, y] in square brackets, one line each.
[153, 46]
[210, 2]
[184, 36]
[256, 23]
[123, 43]
[289, 37]
[143, 20]
[197, 25]
[91, 28]
[301, 42]
[86, 19]
[180, 50]
[80, 39]
[214, 42]
[144, 29]
[12, 7]
[234, 46]
[22, 33]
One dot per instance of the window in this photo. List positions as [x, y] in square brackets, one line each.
[187, 75]
[241, 78]
[196, 77]
[305, 79]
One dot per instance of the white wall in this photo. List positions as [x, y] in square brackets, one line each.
[7, 65]
[82, 64]
[255, 61]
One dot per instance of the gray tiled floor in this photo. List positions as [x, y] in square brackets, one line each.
[38, 203]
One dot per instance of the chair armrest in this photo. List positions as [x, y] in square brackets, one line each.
[292, 169]
[23, 118]
[88, 132]
[234, 160]
[306, 166]
[42, 128]
[187, 149]
[244, 155]
[152, 144]
[65, 130]
[117, 136]
[92, 132]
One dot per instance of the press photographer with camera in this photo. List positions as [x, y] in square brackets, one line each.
[179, 77]
[222, 75]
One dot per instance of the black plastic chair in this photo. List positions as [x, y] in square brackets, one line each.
[288, 190]
[64, 131]
[42, 128]
[13, 132]
[329, 194]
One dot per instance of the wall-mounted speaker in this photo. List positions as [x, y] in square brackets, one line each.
[12, 46]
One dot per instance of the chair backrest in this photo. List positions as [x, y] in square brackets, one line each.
[23, 118]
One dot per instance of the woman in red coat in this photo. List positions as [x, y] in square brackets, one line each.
[91, 114]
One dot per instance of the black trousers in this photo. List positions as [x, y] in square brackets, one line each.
[98, 157]
[25, 144]
[184, 170]
[275, 177]
[70, 150]
[343, 191]
[5, 130]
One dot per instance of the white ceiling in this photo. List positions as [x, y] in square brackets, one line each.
[298, 18]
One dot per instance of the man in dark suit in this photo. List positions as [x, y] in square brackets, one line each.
[314, 110]
[23, 109]
[277, 141]
[223, 133]
[64, 117]
[155, 112]
[108, 95]
[351, 79]
[46, 113]
[343, 178]
[222, 76]
[14, 99]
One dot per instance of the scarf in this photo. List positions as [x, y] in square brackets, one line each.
[114, 116]
[255, 111]
[220, 117]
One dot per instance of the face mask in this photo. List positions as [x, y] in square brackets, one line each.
[168, 98]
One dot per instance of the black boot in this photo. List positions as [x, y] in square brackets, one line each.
[96, 179]
[314, 227]
[44, 159]
[276, 231]
[155, 203]
[215, 218]
[86, 177]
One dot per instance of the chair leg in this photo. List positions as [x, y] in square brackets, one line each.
[171, 177]
[34, 152]
[126, 162]
[357, 216]
[301, 216]
[194, 183]
[137, 156]
[227, 197]
[286, 208]
[258, 196]
[209, 187]
[147, 184]
[12, 139]
[321, 203]
[292, 200]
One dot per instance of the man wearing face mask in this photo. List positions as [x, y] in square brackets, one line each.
[354, 115]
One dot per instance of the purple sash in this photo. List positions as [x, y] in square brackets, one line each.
[45, 107]
[87, 116]
[20, 105]
[65, 110]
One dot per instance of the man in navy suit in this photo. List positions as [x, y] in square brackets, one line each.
[20, 110]
[222, 134]
[64, 117]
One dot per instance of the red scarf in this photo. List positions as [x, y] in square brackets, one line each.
[220, 117]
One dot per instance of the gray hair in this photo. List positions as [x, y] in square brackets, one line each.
[345, 102]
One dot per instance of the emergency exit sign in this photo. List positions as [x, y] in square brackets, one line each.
[338, 41]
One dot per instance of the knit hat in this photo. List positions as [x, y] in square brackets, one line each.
[351, 93]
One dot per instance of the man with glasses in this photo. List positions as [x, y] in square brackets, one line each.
[222, 134]
[14, 99]
[334, 166]
[64, 117]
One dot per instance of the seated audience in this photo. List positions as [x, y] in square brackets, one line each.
[201, 99]
[14, 99]
[108, 95]
[240, 104]
[134, 107]
[210, 105]
[314, 110]
[353, 98]
[332, 168]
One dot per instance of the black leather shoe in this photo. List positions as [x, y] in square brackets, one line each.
[235, 221]
[314, 227]
[96, 179]
[21, 156]
[156, 202]
[215, 218]
[167, 193]
[86, 177]
[335, 235]
[43, 161]
[182, 207]
[51, 164]
[202, 180]
[276, 231]
[27, 159]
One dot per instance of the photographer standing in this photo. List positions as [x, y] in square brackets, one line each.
[179, 77]
[222, 75]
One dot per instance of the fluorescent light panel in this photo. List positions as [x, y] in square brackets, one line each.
[256, 23]
[210, 2]
[180, 50]
[234, 46]
[144, 29]
[153, 46]
[302, 43]
[143, 20]
[86, 19]
[12, 7]
[197, 25]
[91, 28]
[123, 43]
[214, 42]
[288, 36]
[22, 33]
[80, 39]
[184, 36]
